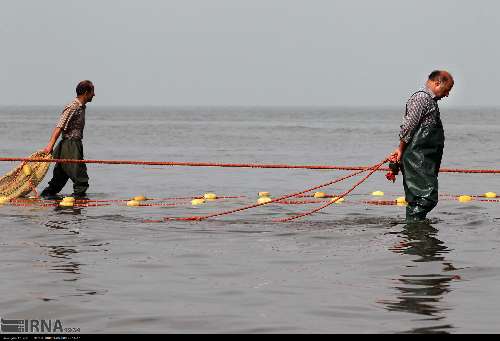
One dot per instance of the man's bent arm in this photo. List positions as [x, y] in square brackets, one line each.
[398, 153]
[55, 135]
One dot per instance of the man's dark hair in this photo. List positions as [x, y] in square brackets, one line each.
[83, 87]
[437, 75]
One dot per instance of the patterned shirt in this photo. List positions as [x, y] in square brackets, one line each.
[419, 110]
[72, 121]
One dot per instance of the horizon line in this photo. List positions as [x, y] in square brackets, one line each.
[493, 106]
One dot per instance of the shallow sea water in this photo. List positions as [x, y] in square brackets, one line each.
[351, 268]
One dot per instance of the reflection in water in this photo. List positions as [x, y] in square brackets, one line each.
[64, 262]
[63, 259]
[421, 293]
[62, 256]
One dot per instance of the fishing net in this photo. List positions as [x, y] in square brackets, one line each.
[25, 177]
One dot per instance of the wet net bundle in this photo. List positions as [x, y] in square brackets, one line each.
[25, 177]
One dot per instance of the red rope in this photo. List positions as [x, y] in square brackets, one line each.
[158, 199]
[374, 169]
[237, 165]
[299, 202]
[163, 205]
[199, 218]
[380, 202]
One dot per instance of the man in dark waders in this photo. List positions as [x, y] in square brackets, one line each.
[421, 146]
[71, 125]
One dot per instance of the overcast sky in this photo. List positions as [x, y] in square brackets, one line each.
[247, 52]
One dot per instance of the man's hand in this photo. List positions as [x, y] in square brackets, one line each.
[55, 135]
[398, 153]
[395, 156]
[48, 149]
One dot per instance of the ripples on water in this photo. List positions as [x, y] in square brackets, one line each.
[351, 268]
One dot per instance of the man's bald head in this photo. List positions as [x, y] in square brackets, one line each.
[440, 82]
[440, 75]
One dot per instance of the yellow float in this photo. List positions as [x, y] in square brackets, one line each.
[490, 195]
[27, 170]
[196, 202]
[133, 203]
[210, 196]
[464, 198]
[319, 195]
[401, 201]
[67, 202]
[264, 200]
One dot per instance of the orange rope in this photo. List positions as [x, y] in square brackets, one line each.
[237, 165]
[380, 202]
[163, 205]
[159, 203]
[158, 199]
[299, 202]
[199, 218]
[374, 169]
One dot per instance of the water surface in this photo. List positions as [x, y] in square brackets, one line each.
[351, 268]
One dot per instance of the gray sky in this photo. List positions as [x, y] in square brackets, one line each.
[247, 52]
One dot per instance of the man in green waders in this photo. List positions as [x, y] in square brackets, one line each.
[421, 146]
[71, 125]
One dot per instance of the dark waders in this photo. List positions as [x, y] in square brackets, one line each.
[77, 172]
[420, 166]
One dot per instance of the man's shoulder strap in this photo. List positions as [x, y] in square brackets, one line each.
[421, 91]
